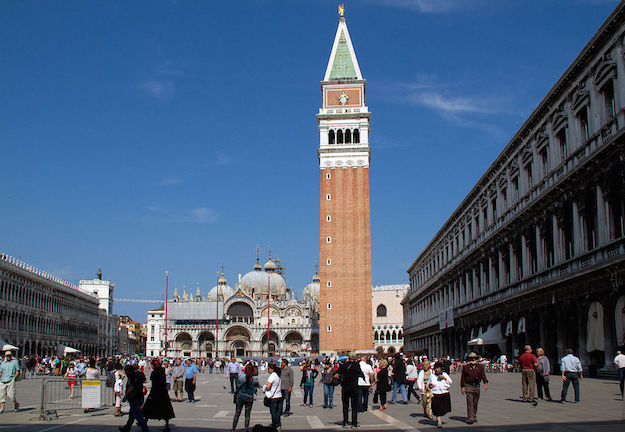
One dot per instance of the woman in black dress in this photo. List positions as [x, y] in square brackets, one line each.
[382, 385]
[158, 405]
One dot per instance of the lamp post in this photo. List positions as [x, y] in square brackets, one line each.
[217, 322]
[166, 299]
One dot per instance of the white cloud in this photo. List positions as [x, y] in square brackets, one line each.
[221, 161]
[158, 88]
[201, 215]
[171, 181]
[427, 6]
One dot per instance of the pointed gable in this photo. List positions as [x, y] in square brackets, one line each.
[343, 63]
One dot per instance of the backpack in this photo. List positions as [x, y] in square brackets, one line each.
[110, 379]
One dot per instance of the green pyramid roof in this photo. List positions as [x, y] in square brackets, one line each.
[342, 65]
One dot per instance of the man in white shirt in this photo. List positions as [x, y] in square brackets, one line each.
[572, 373]
[619, 361]
[364, 384]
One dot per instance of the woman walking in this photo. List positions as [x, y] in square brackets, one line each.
[157, 406]
[328, 389]
[426, 392]
[118, 388]
[71, 374]
[308, 383]
[382, 386]
[440, 383]
[244, 396]
[273, 393]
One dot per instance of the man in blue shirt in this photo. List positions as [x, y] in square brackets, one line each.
[572, 373]
[234, 369]
[9, 370]
[190, 377]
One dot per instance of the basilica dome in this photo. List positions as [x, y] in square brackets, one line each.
[255, 283]
[311, 292]
[225, 291]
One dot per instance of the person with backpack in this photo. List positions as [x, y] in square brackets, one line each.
[244, 395]
[349, 372]
[134, 396]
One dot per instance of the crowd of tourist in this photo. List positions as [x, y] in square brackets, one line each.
[426, 380]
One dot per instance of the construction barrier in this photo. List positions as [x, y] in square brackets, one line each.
[56, 395]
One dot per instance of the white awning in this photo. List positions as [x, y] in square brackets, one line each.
[7, 346]
[492, 336]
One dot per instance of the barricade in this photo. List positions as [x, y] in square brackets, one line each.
[55, 396]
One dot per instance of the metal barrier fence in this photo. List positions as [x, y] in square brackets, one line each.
[56, 392]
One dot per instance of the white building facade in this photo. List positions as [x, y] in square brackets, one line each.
[388, 317]
[108, 338]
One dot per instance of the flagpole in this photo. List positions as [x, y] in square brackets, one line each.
[166, 299]
[217, 322]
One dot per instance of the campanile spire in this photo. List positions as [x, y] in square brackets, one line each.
[345, 237]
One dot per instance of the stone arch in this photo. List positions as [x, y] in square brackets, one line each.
[331, 137]
[206, 344]
[184, 344]
[376, 336]
[274, 343]
[356, 136]
[339, 136]
[293, 342]
[240, 311]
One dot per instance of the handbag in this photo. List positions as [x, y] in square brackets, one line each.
[267, 399]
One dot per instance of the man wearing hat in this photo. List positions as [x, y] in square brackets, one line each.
[9, 370]
[472, 374]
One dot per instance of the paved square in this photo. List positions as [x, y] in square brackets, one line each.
[500, 409]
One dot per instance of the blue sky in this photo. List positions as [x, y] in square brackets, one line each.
[149, 135]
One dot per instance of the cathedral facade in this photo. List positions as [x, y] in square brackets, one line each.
[259, 316]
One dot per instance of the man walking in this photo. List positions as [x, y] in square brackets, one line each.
[528, 363]
[364, 384]
[399, 378]
[190, 377]
[572, 373]
[472, 374]
[134, 396]
[619, 361]
[9, 370]
[234, 369]
[350, 371]
[286, 386]
[178, 375]
[542, 374]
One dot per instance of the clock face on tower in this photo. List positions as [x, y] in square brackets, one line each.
[343, 98]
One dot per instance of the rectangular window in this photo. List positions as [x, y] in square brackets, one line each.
[485, 216]
[529, 174]
[515, 188]
[544, 159]
[329, 329]
[328, 176]
[328, 218]
[329, 306]
[152, 329]
[329, 261]
[328, 197]
[608, 99]
[582, 120]
[151, 338]
[328, 239]
[564, 149]
[328, 284]
[493, 206]
[504, 197]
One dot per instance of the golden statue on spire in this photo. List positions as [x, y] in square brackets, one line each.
[342, 11]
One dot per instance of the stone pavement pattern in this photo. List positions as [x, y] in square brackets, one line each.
[500, 409]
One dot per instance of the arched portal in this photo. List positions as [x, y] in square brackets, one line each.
[293, 342]
[241, 312]
[206, 344]
[273, 346]
[237, 341]
[184, 344]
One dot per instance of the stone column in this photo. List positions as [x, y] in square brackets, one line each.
[540, 251]
[524, 256]
[513, 264]
[620, 91]
[582, 319]
[602, 225]
[557, 241]
[561, 331]
[502, 275]
[491, 275]
[609, 329]
[578, 238]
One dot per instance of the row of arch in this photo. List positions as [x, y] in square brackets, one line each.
[344, 136]
[48, 348]
[22, 321]
[389, 336]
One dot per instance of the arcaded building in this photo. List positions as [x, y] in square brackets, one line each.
[535, 252]
[345, 233]
[388, 317]
[40, 312]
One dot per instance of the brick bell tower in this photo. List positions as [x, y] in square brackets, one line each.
[345, 233]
